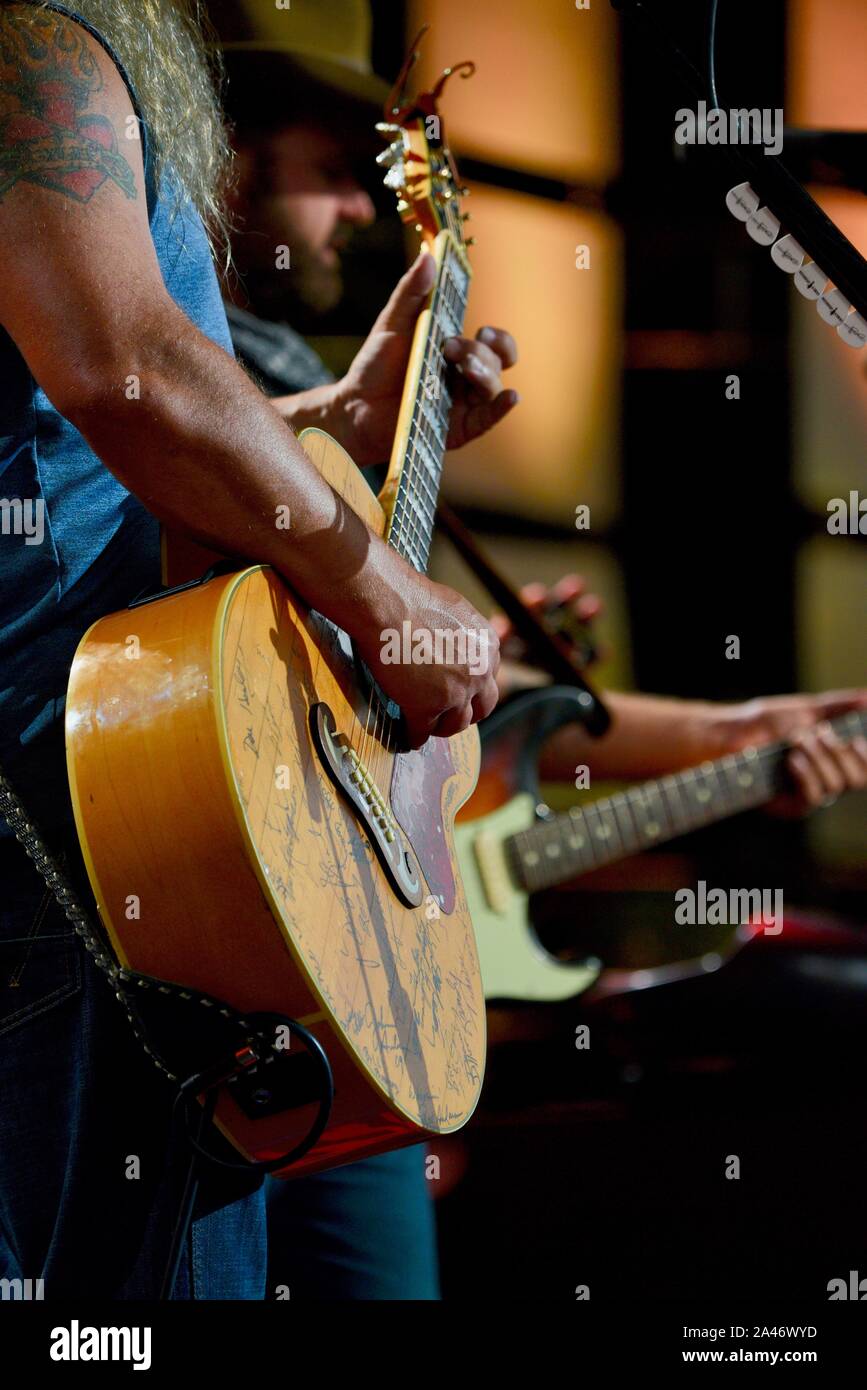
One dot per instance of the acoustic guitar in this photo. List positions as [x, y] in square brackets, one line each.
[250, 826]
[508, 851]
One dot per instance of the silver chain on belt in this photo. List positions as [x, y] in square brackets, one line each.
[121, 980]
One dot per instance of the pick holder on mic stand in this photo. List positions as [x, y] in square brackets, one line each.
[767, 174]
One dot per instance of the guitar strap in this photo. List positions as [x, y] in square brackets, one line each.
[130, 986]
[123, 982]
[242, 1044]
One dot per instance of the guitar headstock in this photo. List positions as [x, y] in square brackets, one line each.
[419, 166]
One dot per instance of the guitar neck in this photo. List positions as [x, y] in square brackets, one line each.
[417, 462]
[565, 846]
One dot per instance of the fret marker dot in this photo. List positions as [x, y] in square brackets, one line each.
[702, 794]
[552, 851]
[603, 832]
[652, 828]
[745, 779]
[576, 841]
[531, 858]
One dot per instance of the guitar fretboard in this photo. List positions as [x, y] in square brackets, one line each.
[562, 847]
[415, 504]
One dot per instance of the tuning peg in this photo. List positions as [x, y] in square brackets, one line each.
[465, 192]
[470, 241]
[466, 216]
[390, 155]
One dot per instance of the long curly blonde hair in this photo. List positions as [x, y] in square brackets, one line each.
[165, 46]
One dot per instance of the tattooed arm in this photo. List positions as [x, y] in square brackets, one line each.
[83, 298]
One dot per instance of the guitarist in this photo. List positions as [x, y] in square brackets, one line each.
[651, 735]
[366, 1230]
[123, 405]
[304, 142]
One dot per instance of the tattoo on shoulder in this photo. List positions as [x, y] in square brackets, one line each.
[50, 135]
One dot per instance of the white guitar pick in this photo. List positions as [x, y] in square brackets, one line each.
[787, 254]
[763, 227]
[810, 280]
[833, 306]
[853, 330]
[742, 201]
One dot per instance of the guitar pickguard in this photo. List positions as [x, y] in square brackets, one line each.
[514, 963]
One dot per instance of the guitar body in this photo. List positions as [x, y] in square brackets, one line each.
[515, 964]
[225, 856]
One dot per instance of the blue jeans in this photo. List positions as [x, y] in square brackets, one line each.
[365, 1231]
[80, 1102]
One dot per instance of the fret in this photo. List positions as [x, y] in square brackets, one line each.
[431, 420]
[577, 837]
[415, 508]
[604, 832]
[552, 853]
[410, 534]
[629, 835]
[428, 476]
[656, 823]
[408, 539]
[412, 524]
[649, 814]
[670, 793]
[753, 775]
[699, 789]
[587, 837]
[736, 780]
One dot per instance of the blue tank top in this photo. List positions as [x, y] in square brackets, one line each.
[99, 547]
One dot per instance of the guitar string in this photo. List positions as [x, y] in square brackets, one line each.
[541, 835]
[401, 535]
[422, 479]
[405, 532]
[371, 739]
[419, 482]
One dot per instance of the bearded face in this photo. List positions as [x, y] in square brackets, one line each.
[296, 203]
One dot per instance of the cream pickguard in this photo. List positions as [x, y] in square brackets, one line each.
[514, 963]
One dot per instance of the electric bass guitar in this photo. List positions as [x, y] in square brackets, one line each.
[507, 851]
[251, 829]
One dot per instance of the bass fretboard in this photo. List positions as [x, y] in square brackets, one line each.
[562, 847]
